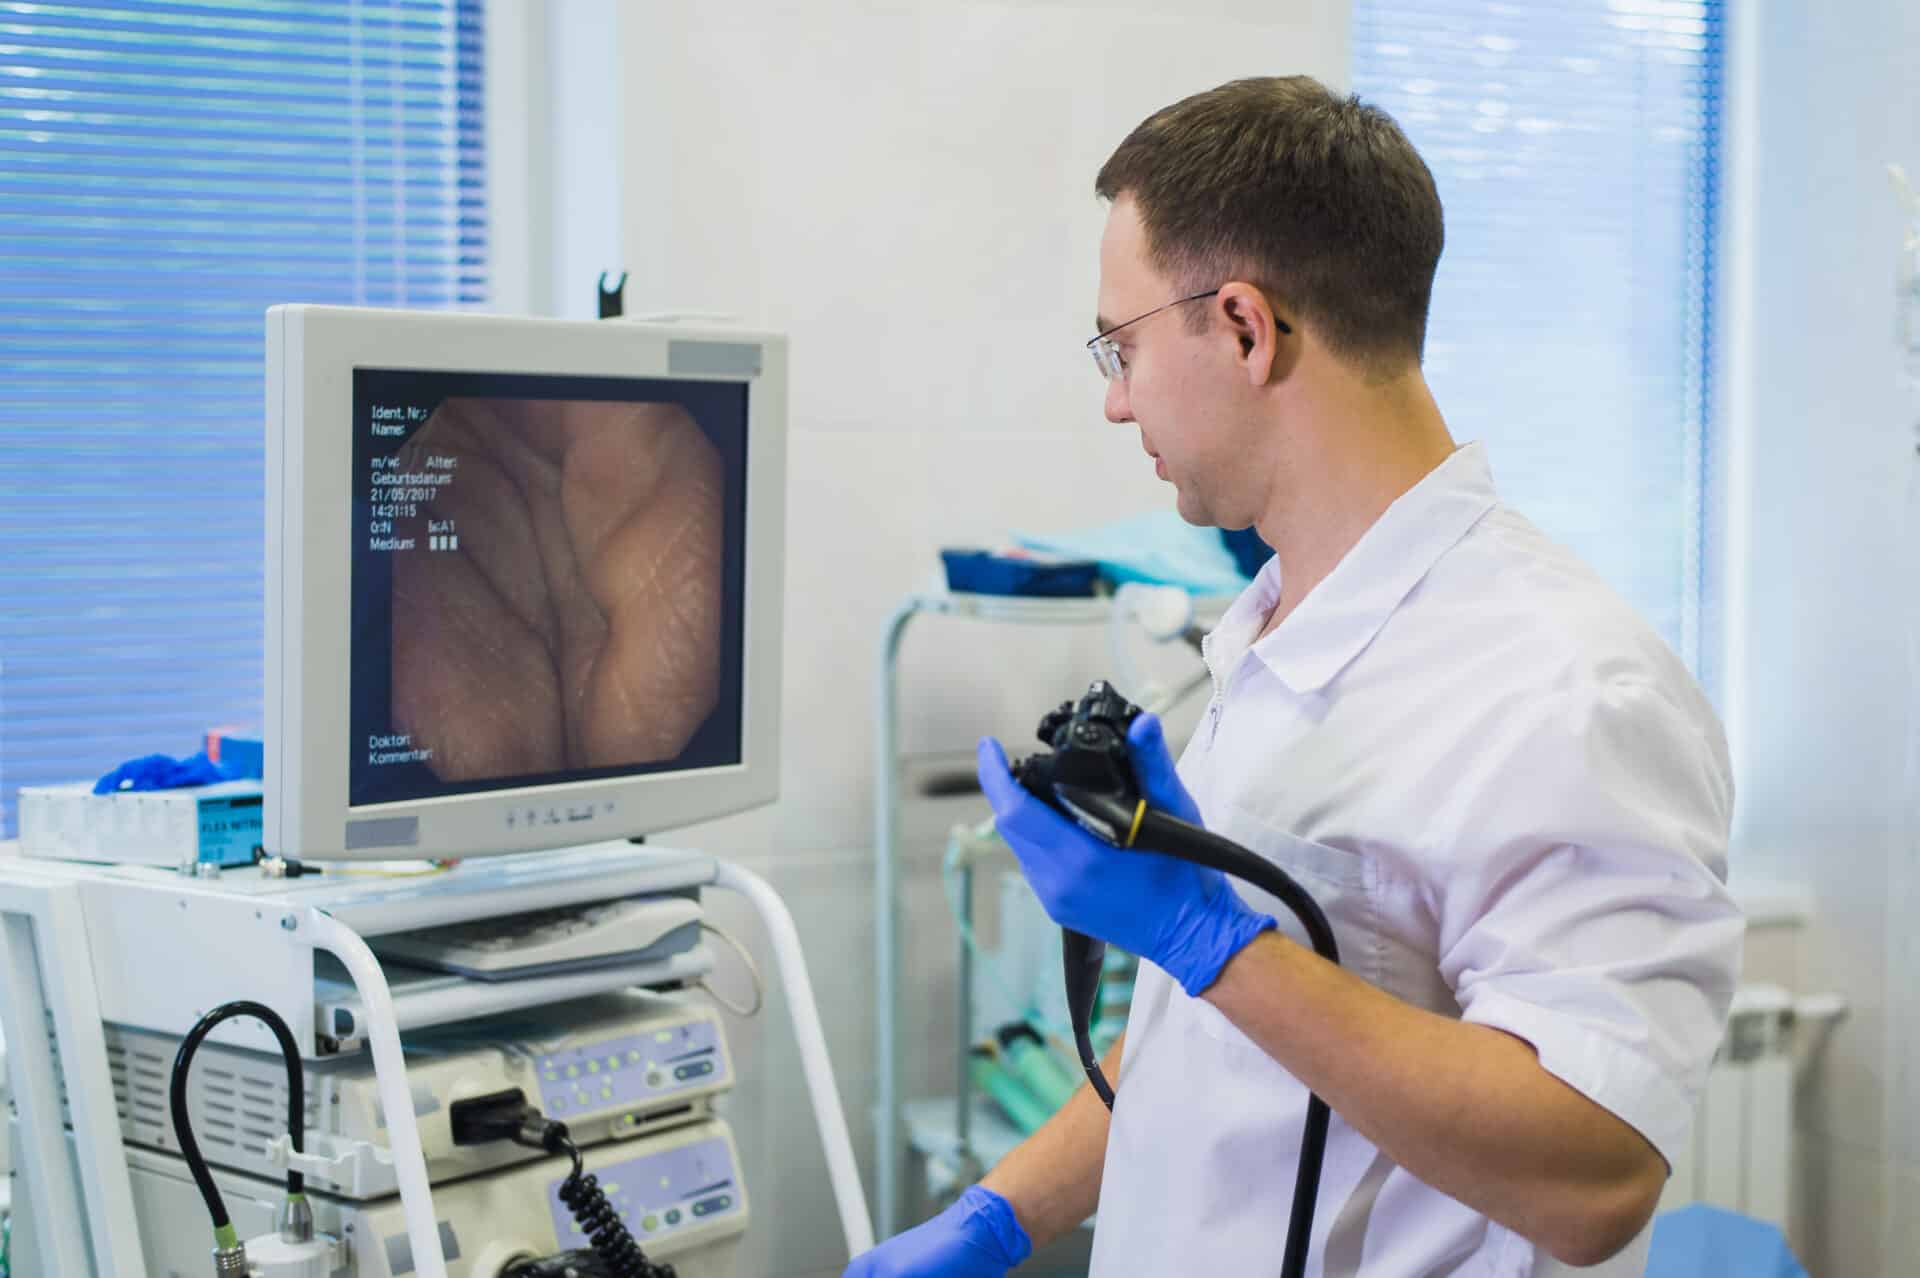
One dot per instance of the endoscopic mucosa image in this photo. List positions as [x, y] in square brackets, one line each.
[571, 617]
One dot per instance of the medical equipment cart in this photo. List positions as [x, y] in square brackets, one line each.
[82, 945]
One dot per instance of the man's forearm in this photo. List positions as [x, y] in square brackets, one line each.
[1467, 1109]
[1052, 1179]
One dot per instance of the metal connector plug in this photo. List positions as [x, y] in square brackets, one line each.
[296, 1219]
[230, 1262]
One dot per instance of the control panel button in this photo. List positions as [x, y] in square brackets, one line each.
[673, 1216]
[708, 1206]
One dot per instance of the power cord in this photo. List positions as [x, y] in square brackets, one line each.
[753, 970]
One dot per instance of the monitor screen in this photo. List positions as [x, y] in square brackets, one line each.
[547, 582]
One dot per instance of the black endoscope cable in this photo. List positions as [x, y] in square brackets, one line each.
[223, 1231]
[597, 1218]
[1135, 825]
[1085, 958]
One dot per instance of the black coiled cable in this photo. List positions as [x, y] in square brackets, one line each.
[606, 1232]
[616, 1248]
[177, 1098]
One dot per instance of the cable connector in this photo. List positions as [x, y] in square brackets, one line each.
[296, 1219]
[229, 1255]
[505, 1115]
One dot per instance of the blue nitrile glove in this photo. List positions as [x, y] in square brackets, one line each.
[977, 1237]
[161, 772]
[1184, 917]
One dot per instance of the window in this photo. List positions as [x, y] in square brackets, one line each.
[167, 172]
[1575, 148]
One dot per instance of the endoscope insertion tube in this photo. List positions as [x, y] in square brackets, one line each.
[1134, 825]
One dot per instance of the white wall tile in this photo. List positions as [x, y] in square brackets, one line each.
[1902, 1007]
[1903, 1217]
[1772, 955]
[1848, 1220]
[1850, 1100]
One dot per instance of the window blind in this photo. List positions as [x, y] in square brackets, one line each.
[1575, 150]
[167, 172]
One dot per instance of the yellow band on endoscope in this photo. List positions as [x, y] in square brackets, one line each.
[1139, 815]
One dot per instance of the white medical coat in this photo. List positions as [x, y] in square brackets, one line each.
[1512, 801]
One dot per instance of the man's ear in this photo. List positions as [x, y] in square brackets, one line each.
[1260, 330]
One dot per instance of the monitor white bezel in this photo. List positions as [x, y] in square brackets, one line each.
[312, 352]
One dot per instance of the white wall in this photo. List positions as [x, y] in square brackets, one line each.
[555, 129]
[906, 189]
[1829, 552]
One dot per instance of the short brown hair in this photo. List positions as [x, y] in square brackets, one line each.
[1319, 199]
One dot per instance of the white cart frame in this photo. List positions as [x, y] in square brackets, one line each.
[889, 1138]
[83, 945]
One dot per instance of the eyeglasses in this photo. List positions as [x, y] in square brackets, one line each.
[1106, 354]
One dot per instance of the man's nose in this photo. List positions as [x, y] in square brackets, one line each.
[1118, 409]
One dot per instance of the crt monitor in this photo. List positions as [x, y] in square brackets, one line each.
[523, 580]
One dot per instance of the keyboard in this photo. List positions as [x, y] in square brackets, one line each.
[635, 929]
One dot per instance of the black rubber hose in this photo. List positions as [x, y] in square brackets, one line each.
[1170, 836]
[1084, 957]
[177, 1098]
[1173, 837]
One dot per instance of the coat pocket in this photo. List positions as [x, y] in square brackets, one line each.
[1341, 882]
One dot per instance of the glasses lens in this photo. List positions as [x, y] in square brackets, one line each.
[1107, 356]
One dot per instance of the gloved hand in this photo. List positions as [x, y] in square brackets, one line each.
[1183, 917]
[977, 1237]
[161, 772]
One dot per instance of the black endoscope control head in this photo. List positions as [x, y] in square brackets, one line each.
[1085, 774]
[1087, 751]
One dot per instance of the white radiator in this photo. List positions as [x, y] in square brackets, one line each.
[1742, 1153]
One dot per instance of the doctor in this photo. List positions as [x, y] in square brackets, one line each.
[1506, 792]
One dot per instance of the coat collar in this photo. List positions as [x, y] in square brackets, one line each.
[1340, 616]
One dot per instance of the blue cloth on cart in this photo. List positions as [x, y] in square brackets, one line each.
[1710, 1242]
[161, 772]
[1160, 548]
[981, 572]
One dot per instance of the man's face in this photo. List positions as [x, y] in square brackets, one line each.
[1181, 386]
